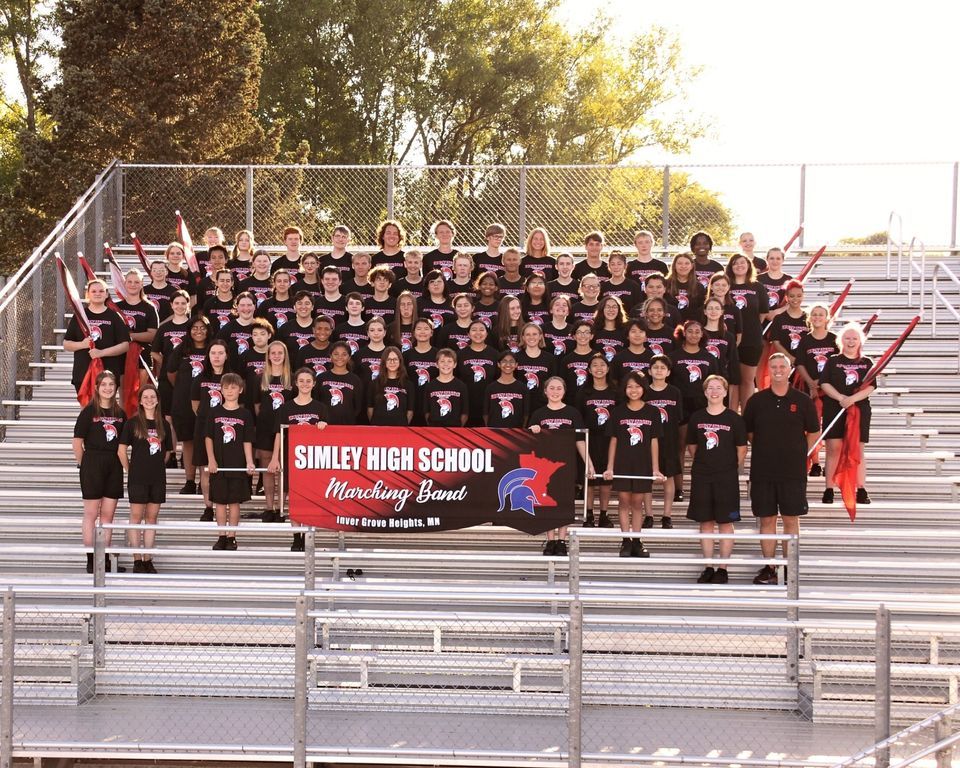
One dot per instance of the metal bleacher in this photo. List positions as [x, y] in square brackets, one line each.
[476, 622]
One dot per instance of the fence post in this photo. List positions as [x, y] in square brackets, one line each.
[118, 201]
[300, 686]
[666, 207]
[98, 229]
[99, 600]
[881, 726]
[391, 179]
[575, 707]
[37, 313]
[6, 691]
[803, 202]
[310, 574]
[61, 307]
[522, 206]
[8, 386]
[573, 578]
[11, 342]
[953, 209]
[942, 731]
[793, 612]
[249, 193]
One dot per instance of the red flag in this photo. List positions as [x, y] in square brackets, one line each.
[131, 380]
[792, 239]
[88, 387]
[838, 302]
[849, 461]
[141, 254]
[810, 264]
[116, 276]
[763, 367]
[867, 326]
[184, 234]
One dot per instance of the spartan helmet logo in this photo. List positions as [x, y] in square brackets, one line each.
[393, 402]
[374, 369]
[110, 431]
[196, 368]
[405, 344]
[712, 439]
[479, 374]
[95, 334]
[354, 347]
[131, 323]
[445, 406]
[657, 349]
[852, 377]
[447, 273]
[506, 409]
[794, 340]
[602, 415]
[581, 376]
[319, 369]
[437, 320]
[215, 397]
[423, 376]
[242, 346]
[559, 346]
[229, 434]
[336, 396]
[740, 301]
[694, 371]
[533, 381]
[636, 435]
[609, 352]
[682, 301]
[281, 319]
[176, 341]
[276, 400]
[821, 361]
[302, 342]
[774, 299]
[223, 319]
[154, 445]
[664, 418]
[712, 349]
[704, 280]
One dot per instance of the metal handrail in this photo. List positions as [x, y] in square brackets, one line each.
[912, 267]
[899, 241]
[936, 295]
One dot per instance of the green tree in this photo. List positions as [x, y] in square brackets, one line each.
[24, 25]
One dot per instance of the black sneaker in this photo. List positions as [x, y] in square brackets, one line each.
[816, 470]
[298, 543]
[604, 521]
[172, 462]
[550, 548]
[138, 566]
[89, 562]
[207, 516]
[588, 521]
[626, 548]
[827, 496]
[269, 516]
[720, 577]
[678, 494]
[148, 567]
[706, 576]
[189, 488]
[561, 548]
[648, 521]
[862, 496]
[638, 550]
[666, 523]
[231, 544]
[221, 543]
[766, 575]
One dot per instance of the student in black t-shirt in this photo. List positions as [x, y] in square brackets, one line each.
[390, 402]
[442, 256]
[667, 399]
[381, 303]
[488, 302]
[207, 286]
[557, 330]
[241, 257]
[290, 260]
[339, 388]
[701, 245]
[509, 322]
[95, 439]
[596, 400]
[683, 288]
[301, 409]
[633, 431]
[628, 291]
[537, 256]
[593, 263]
[339, 256]
[489, 260]
[258, 283]
[159, 291]
[446, 402]
[278, 308]
[108, 336]
[391, 238]
[748, 244]
[717, 440]
[205, 395]
[565, 284]
[401, 329]
[751, 299]
[535, 364]
[150, 444]
[142, 320]
[435, 305]
[505, 399]
[421, 363]
[557, 415]
[644, 265]
[476, 366]
[229, 441]
[511, 279]
[267, 392]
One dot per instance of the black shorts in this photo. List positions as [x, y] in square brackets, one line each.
[749, 355]
[229, 487]
[831, 408]
[788, 497]
[147, 493]
[633, 486]
[199, 446]
[714, 498]
[669, 452]
[184, 425]
[599, 453]
[101, 476]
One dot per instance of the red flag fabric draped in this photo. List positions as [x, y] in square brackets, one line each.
[793, 237]
[88, 387]
[141, 254]
[184, 234]
[131, 380]
[763, 367]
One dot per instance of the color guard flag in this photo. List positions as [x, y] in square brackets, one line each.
[184, 235]
[141, 254]
[88, 387]
[792, 239]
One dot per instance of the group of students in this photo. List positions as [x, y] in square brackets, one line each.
[501, 338]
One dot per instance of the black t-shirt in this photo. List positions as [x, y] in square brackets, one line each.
[789, 331]
[635, 432]
[505, 405]
[575, 369]
[205, 390]
[660, 340]
[285, 262]
[384, 308]
[669, 402]
[751, 299]
[486, 263]
[314, 289]
[724, 348]
[641, 270]
[610, 343]
[352, 286]
[295, 336]
[99, 433]
[366, 363]
[187, 363]
[342, 394]
[229, 430]
[344, 265]
[139, 317]
[270, 401]
[813, 353]
[453, 336]
[291, 413]
[259, 287]
[545, 265]
[394, 263]
[421, 366]
[316, 359]
[391, 404]
[444, 402]
[846, 375]
[567, 417]
[510, 287]
[278, 312]
[218, 311]
[571, 290]
[535, 313]
[437, 259]
[107, 329]
[627, 361]
[559, 340]
[477, 370]
[251, 362]
[717, 438]
[160, 298]
[689, 299]
[438, 314]
[335, 309]
[581, 268]
[168, 339]
[183, 280]
[596, 405]
[147, 465]
[583, 313]
[240, 270]
[355, 336]
[629, 292]
[535, 371]
[239, 338]
[418, 290]
[779, 426]
[705, 271]
[690, 370]
[776, 292]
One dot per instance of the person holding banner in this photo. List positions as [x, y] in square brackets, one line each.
[717, 441]
[390, 398]
[446, 402]
[839, 382]
[557, 415]
[634, 430]
[95, 440]
[108, 338]
[150, 444]
[303, 408]
[229, 438]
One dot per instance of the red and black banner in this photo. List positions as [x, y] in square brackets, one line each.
[402, 479]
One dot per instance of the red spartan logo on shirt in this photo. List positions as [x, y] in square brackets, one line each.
[196, 368]
[559, 346]
[694, 371]
[602, 415]
[95, 333]
[774, 299]
[423, 376]
[609, 352]
[852, 377]
[276, 400]
[110, 431]
[663, 415]
[223, 320]
[405, 345]
[581, 376]
[636, 435]
[175, 341]
[712, 349]
[712, 439]
[533, 381]
[479, 374]
[354, 347]
[131, 322]
[281, 318]
[242, 346]
[794, 340]
[393, 402]
[821, 361]
[215, 398]
[154, 445]
[740, 302]
[447, 273]
[229, 434]
[437, 320]
[682, 301]
[319, 368]
[506, 409]
[445, 406]
[336, 396]
[656, 349]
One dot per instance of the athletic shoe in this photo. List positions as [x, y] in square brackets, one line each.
[626, 548]
[269, 516]
[561, 549]
[138, 566]
[588, 521]
[189, 488]
[706, 576]
[259, 491]
[221, 543]
[148, 567]
[231, 543]
[827, 496]
[207, 516]
[816, 470]
[550, 548]
[604, 521]
[862, 496]
[720, 577]
[172, 462]
[89, 562]
[678, 494]
[666, 523]
[298, 543]
[638, 550]
[647, 521]
[766, 575]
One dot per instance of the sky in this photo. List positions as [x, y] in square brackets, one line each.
[817, 82]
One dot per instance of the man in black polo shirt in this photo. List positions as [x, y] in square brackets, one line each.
[781, 424]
